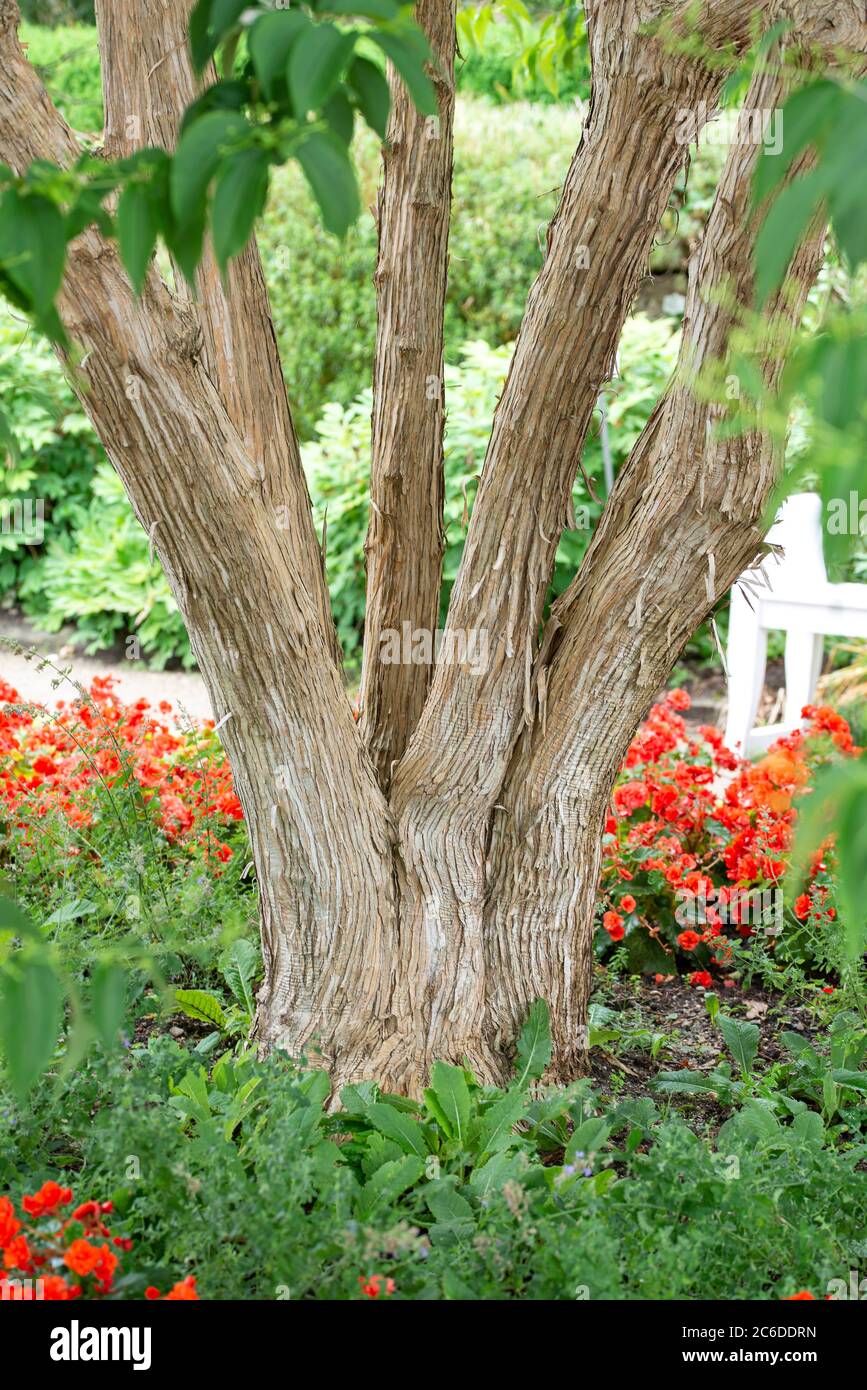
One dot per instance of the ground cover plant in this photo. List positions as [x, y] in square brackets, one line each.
[119, 823]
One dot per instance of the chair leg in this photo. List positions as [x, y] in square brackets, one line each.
[746, 657]
[804, 651]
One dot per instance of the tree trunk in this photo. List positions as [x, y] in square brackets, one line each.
[405, 538]
[448, 782]
[395, 931]
[225, 505]
[686, 517]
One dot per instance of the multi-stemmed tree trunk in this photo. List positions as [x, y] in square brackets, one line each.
[427, 872]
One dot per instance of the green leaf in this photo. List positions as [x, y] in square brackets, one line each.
[330, 174]
[445, 1204]
[499, 1169]
[137, 228]
[805, 116]
[210, 22]
[108, 1002]
[31, 1001]
[239, 197]
[400, 1127]
[742, 1041]
[372, 91]
[388, 1183]
[199, 1004]
[369, 9]
[534, 1044]
[587, 1138]
[17, 923]
[452, 1093]
[339, 114]
[199, 36]
[195, 161]
[409, 53]
[316, 63]
[270, 40]
[32, 246]
[498, 1123]
[783, 228]
[239, 967]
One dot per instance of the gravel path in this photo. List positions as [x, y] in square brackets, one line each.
[180, 688]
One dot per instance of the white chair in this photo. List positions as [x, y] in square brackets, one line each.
[802, 603]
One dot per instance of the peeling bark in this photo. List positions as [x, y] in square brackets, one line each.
[404, 545]
[396, 930]
[686, 517]
[598, 243]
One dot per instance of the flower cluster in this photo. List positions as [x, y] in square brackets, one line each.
[52, 1254]
[376, 1286]
[696, 840]
[74, 760]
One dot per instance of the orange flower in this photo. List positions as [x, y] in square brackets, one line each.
[373, 1287]
[9, 1224]
[82, 1257]
[183, 1292]
[49, 1196]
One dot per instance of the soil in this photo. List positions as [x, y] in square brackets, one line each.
[692, 1041]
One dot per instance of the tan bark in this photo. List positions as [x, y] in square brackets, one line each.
[379, 957]
[686, 517]
[148, 82]
[405, 538]
[598, 243]
[318, 823]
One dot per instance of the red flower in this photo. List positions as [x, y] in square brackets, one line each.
[802, 907]
[373, 1287]
[82, 1257]
[17, 1254]
[613, 924]
[701, 979]
[49, 1196]
[9, 1225]
[794, 1297]
[688, 940]
[627, 902]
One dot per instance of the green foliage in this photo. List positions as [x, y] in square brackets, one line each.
[52, 450]
[252, 118]
[556, 1195]
[100, 578]
[67, 60]
[508, 53]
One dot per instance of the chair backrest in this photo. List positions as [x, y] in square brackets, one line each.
[798, 529]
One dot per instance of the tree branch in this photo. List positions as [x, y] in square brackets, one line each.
[598, 243]
[148, 82]
[405, 538]
[684, 519]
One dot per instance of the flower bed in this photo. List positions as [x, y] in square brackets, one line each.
[697, 841]
[52, 1255]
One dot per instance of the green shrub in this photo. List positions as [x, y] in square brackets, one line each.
[58, 451]
[101, 579]
[67, 59]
